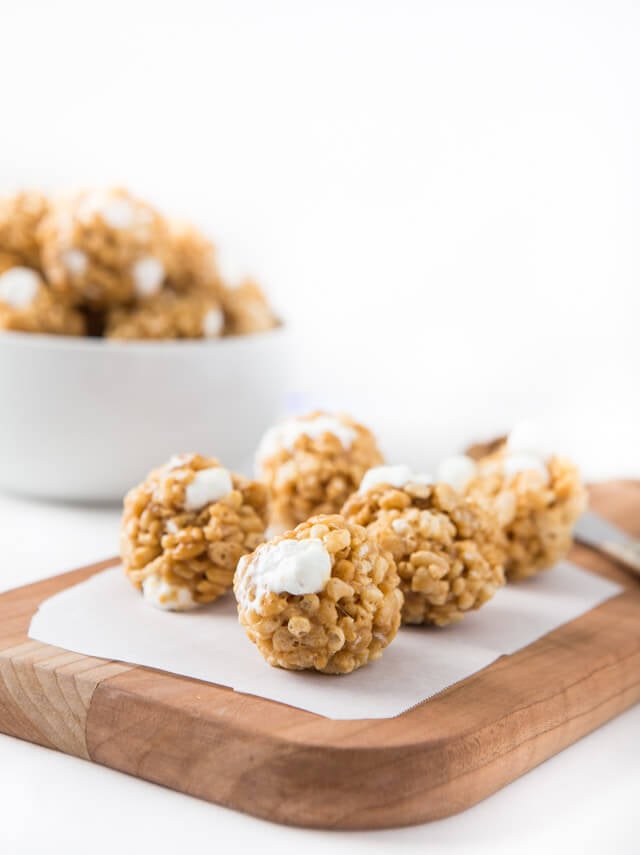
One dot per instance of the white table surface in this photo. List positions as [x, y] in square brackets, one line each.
[582, 801]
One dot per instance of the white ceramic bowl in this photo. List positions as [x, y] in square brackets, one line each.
[85, 419]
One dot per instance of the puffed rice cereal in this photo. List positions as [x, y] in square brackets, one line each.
[192, 263]
[537, 497]
[312, 464]
[28, 305]
[247, 309]
[185, 528]
[446, 547]
[104, 248]
[168, 316]
[324, 596]
[20, 217]
[130, 272]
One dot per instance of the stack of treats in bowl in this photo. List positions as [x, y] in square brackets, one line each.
[105, 263]
[330, 549]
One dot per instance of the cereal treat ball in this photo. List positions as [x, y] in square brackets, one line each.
[446, 546]
[192, 261]
[20, 217]
[247, 310]
[537, 497]
[312, 464]
[104, 248]
[323, 597]
[167, 316]
[28, 305]
[185, 528]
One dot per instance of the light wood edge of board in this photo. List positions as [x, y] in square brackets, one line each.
[300, 769]
[46, 692]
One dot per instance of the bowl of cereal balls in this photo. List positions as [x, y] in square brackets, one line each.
[120, 340]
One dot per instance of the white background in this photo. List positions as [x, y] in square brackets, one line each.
[442, 198]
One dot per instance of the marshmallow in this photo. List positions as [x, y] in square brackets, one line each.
[291, 566]
[456, 471]
[395, 476]
[19, 286]
[285, 434]
[148, 276]
[163, 595]
[212, 323]
[209, 485]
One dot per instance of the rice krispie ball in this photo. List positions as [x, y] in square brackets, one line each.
[20, 217]
[323, 596]
[185, 528]
[246, 309]
[537, 497]
[104, 248]
[446, 547]
[312, 464]
[167, 316]
[192, 264]
[28, 305]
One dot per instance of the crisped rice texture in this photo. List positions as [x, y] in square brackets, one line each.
[316, 476]
[104, 248]
[46, 313]
[537, 517]
[167, 316]
[446, 547]
[20, 216]
[198, 549]
[192, 261]
[247, 309]
[342, 627]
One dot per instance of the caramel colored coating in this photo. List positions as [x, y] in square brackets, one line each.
[446, 547]
[20, 217]
[45, 313]
[93, 243]
[9, 260]
[338, 629]
[193, 549]
[192, 263]
[247, 309]
[317, 475]
[167, 315]
[537, 517]
[130, 272]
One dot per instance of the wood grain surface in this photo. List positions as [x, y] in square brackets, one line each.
[292, 766]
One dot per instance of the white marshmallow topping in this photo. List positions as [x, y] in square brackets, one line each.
[395, 476]
[285, 434]
[526, 451]
[75, 260]
[290, 566]
[163, 595]
[212, 323]
[209, 485]
[148, 276]
[456, 471]
[19, 286]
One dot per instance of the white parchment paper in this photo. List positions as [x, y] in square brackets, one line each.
[105, 617]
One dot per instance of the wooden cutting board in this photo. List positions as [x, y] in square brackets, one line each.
[295, 767]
